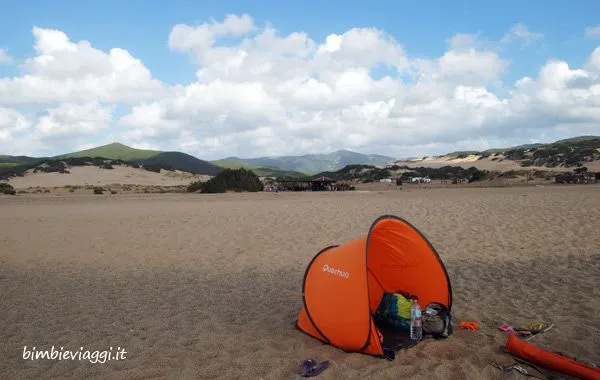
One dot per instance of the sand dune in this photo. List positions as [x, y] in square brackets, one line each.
[95, 176]
[483, 164]
[208, 286]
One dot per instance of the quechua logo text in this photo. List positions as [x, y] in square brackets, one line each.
[335, 271]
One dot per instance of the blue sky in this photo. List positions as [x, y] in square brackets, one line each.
[421, 28]
[142, 27]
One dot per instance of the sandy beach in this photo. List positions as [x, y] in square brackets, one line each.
[197, 286]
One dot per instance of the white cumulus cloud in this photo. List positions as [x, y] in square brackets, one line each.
[73, 120]
[11, 121]
[258, 92]
[67, 71]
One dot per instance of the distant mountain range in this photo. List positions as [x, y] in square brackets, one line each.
[310, 163]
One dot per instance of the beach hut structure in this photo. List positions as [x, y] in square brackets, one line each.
[317, 184]
[344, 284]
[323, 184]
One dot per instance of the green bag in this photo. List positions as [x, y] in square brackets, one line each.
[394, 310]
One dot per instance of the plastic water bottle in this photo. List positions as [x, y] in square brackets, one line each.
[416, 326]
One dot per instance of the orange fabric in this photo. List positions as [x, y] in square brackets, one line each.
[550, 360]
[336, 296]
[344, 285]
[469, 325]
[305, 324]
[376, 341]
[401, 259]
[375, 292]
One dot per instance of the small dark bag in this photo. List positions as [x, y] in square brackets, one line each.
[438, 325]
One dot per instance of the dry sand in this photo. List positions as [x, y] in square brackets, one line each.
[209, 286]
[484, 164]
[95, 176]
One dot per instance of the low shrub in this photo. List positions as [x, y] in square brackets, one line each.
[229, 180]
[7, 189]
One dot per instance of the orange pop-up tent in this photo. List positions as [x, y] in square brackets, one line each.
[343, 285]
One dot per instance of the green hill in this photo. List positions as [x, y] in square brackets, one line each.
[114, 151]
[233, 163]
[154, 158]
[180, 161]
[17, 160]
[577, 139]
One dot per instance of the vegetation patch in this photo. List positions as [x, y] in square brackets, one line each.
[7, 189]
[362, 173]
[448, 173]
[63, 165]
[239, 180]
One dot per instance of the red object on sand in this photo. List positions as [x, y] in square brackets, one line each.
[550, 360]
[469, 325]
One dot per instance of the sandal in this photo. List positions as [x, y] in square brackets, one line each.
[310, 368]
[535, 328]
[306, 366]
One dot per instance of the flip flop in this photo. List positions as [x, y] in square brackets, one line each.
[535, 328]
[310, 368]
[319, 368]
[306, 366]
